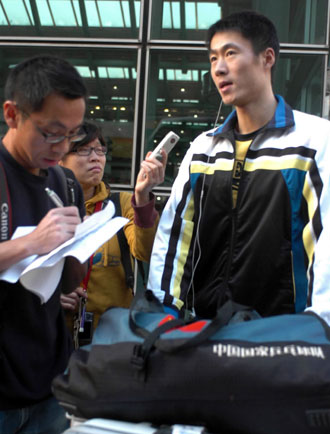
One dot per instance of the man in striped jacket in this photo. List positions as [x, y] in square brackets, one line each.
[247, 214]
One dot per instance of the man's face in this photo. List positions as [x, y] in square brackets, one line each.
[238, 73]
[59, 116]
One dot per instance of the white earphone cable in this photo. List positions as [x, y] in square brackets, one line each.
[197, 240]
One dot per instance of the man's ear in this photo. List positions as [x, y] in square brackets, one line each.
[269, 57]
[10, 113]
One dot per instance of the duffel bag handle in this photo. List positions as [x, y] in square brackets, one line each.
[143, 301]
[223, 316]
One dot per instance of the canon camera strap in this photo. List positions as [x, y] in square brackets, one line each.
[5, 216]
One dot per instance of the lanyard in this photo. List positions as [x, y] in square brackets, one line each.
[80, 320]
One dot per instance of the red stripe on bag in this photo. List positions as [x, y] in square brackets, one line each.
[190, 328]
[194, 327]
[164, 320]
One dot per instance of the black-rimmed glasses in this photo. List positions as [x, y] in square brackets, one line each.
[53, 139]
[86, 151]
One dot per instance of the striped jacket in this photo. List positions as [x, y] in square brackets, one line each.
[271, 251]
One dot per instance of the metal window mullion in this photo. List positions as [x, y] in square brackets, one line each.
[27, 12]
[74, 13]
[141, 90]
[132, 13]
[83, 16]
[98, 13]
[51, 13]
[122, 13]
[307, 22]
[313, 21]
[5, 13]
[171, 15]
[325, 109]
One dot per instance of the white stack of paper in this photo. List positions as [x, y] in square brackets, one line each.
[41, 274]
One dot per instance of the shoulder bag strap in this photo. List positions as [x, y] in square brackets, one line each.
[68, 185]
[123, 244]
[5, 210]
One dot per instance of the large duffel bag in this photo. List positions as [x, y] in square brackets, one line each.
[267, 375]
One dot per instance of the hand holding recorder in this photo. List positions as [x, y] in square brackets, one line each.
[152, 171]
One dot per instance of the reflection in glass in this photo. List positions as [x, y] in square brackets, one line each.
[297, 21]
[88, 18]
[181, 98]
[110, 76]
[327, 95]
[16, 13]
[299, 78]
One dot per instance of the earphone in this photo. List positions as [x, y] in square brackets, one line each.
[197, 240]
[218, 114]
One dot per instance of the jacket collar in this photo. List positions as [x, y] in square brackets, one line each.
[283, 118]
[101, 193]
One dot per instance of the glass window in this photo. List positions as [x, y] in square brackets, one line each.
[326, 109]
[110, 76]
[297, 21]
[182, 97]
[71, 18]
[299, 78]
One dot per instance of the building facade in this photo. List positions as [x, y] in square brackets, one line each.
[147, 70]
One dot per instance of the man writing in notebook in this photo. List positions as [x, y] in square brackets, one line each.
[248, 211]
[44, 109]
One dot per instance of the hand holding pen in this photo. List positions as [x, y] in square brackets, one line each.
[56, 227]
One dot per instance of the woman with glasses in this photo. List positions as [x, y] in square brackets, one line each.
[106, 285]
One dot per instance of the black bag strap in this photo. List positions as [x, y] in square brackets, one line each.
[67, 183]
[143, 301]
[224, 314]
[151, 339]
[5, 204]
[123, 244]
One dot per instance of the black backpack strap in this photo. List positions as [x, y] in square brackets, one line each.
[5, 210]
[142, 273]
[68, 185]
[123, 244]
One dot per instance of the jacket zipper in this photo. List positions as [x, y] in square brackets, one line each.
[234, 215]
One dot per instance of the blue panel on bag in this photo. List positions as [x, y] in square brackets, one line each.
[282, 328]
[114, 327]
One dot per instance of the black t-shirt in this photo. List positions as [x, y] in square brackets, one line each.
[34, 342]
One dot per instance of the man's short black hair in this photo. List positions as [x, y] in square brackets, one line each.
[31, 81]
[255, 27]
[92, 132]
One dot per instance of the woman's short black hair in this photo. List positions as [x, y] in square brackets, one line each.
[92, 132]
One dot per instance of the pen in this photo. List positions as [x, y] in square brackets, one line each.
[83, 313]
[54, 197]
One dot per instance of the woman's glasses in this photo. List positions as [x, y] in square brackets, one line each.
[85, 151]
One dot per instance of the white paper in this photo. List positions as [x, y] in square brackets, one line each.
[41, 274]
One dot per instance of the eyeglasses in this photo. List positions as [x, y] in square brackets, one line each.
[53, 139]
[86, 151]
